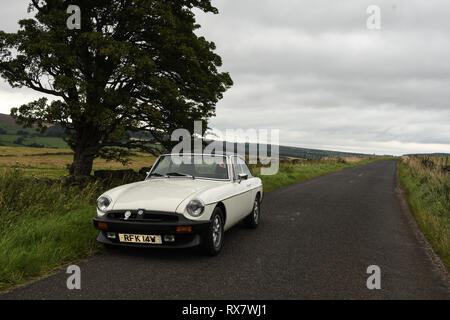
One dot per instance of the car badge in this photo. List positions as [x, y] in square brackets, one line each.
[140, 212]
[127, 215]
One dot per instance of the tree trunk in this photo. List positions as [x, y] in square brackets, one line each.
[82, 162]
[85, 149]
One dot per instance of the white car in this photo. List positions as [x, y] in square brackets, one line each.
[181, 204]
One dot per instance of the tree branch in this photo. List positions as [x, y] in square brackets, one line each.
[36, 85]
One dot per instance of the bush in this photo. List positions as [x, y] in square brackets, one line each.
[19, 141]
[125, 175]
[36, 145]
[22, 133]
[22, 195]
[55, 131]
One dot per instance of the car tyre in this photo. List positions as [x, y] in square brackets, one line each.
[252, 220]
[212, 240]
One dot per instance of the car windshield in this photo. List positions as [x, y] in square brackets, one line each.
[191, 166]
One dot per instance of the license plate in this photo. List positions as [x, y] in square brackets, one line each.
[140, 238]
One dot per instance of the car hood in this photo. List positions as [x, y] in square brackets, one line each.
[157, 194]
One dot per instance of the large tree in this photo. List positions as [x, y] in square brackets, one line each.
[134, 65]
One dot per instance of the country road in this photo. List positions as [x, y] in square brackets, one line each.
[315, 241]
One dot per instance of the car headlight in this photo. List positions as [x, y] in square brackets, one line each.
[103, 202]
[195, 207]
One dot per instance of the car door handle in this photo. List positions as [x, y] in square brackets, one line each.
[249, 185]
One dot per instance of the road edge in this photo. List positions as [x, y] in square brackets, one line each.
[436, 262]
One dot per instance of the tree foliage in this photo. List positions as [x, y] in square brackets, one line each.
[134, 65]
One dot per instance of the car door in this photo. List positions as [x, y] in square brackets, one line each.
[244, 186]
[237, 197]
[237, 202]
[252, 182]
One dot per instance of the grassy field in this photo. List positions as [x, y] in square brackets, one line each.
[52, 163]
[46, 227]
[428, 191]
[48, 142]
[29, 136]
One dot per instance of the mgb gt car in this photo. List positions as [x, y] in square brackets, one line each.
[186, 200]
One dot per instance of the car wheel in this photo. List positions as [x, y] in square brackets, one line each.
[212, 241]
[252, 220]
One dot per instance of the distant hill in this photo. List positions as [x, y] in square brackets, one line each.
[315, 153]
[304, 153]
[428, 154]
[8, 121]
[11, 134]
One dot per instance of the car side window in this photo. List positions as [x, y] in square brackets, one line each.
[237, 169]
[244, 167]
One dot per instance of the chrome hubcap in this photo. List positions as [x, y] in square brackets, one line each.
[217, 231]
[256, 211]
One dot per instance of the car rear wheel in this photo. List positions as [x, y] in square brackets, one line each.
[252, 220]
[212, 241]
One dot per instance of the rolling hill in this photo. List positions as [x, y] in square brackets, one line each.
[12, 134]
[428, 154]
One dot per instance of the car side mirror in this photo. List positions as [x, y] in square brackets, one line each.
[242, 176]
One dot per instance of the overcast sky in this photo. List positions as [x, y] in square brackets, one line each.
[314, 71]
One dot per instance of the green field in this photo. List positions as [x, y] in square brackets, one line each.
[45, 142]
[30, 137]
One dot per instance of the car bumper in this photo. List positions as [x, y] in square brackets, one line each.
[182, 239]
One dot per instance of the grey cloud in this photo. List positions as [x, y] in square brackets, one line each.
[11, 12]
[313, 69]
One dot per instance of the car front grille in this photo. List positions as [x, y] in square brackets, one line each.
[147, 216]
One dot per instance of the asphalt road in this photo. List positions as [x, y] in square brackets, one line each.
[315, 241]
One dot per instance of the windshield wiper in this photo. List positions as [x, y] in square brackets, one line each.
[156, 174]
[177, 174]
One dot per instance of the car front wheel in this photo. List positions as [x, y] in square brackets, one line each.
[213, 238]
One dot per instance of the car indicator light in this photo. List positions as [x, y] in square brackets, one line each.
[184, 229]
[102, 225]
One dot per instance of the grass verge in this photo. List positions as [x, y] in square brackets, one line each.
[42, 227]
[427, 190]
